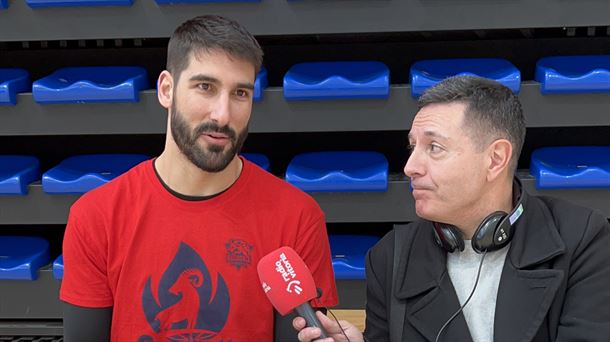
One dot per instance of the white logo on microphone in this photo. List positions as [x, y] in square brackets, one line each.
[295, 286]
[284, 268]
[266, 287]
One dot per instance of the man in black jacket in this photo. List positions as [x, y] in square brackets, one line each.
[540, 266]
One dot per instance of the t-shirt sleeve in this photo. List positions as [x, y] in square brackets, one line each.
[85, 282]
[312, 245]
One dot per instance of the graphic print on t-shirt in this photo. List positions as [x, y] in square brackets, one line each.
[191, 305]
[239, 253]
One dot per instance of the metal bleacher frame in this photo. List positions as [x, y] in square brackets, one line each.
[145, 19]
[275, 115]
[32, 308]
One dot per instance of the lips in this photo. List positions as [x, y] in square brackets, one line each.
[420, 192]
[217, 135]
[418, 187]
[216, 138]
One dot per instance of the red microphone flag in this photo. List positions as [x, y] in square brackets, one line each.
[286, 279]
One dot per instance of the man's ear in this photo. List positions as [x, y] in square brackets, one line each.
[499, 157]
[165, 89]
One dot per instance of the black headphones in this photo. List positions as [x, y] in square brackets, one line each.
[493, 233]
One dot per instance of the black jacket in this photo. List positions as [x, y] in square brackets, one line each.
[555, 285]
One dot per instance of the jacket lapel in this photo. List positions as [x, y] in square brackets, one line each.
[425, 285]
[528, 286]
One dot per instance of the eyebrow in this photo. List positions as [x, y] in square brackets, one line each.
[431, 134]
[210, 79]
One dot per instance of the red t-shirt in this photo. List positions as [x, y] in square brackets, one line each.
[179, 270]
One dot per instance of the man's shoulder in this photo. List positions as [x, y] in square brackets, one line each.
[406, 233]
[119, 189]
[279, 191]
[564, 211]
[572, 221]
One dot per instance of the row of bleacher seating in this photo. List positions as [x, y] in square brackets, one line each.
[22, 257]
[330, 171]
[89, 3]
[315, 80]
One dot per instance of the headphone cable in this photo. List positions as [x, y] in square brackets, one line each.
[476, 282]
[319, 292]
[341, 327]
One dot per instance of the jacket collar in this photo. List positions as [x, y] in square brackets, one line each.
[536, 238]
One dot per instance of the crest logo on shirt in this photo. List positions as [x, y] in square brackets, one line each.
[190, 304]
[239, 253]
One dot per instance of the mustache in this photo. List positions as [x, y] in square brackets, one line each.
[210, 127]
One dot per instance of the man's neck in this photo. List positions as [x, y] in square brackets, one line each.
[184, 177]
[498, 198]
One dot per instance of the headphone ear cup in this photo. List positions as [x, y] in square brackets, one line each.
[448, 237]
[484, 237]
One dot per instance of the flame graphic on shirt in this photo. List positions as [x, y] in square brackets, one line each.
[189, 302]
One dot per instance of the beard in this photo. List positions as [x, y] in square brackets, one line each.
[214, 158]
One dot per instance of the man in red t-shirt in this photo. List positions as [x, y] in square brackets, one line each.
[168, 250]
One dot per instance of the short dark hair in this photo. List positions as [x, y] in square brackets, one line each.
[207, 33]
[492, 110]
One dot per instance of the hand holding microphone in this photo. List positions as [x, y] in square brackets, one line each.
[341, 331]
[289, 285]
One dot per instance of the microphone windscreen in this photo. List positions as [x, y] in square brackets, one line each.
[286, 279]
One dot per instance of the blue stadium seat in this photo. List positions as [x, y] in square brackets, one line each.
[259, 159]
[58, 267]
[3, 4]
[13, 81]
[260, 84]
[348, 252]
[171, 2]
[337, 80]
[22, 256]
[339, 171]
[574, 74]
[16, 173]
[424, 74]
[571, 167]
[79, 174]
[91, 84]
[77, 3]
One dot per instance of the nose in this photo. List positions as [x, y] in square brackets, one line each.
[415, 165]
[221, 110]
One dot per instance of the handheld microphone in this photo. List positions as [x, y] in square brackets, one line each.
[289, 285]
